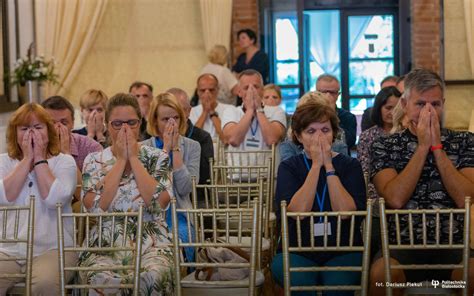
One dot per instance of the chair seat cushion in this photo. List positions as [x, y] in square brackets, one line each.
[190, 282]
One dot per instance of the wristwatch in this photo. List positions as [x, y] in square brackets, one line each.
[260, 110]
[214, 114]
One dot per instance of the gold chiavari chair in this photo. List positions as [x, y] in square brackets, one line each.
[416, 243]
[10, 235]
[312, 246]
[235, 196]
[218, 237]
[112, 222]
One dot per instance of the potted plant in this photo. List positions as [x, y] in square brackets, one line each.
[29, 73]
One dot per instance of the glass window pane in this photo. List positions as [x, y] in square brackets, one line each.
[365, 77]
[286, 39]
[287, 73]
[324, 44]
[358, 106]
[290, 98]
[286, 48]
[371, 36]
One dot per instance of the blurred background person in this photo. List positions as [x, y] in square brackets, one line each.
[252, 57]
[228, 84]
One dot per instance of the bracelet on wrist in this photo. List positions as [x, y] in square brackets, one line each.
[177, 149]
[331, 173]
[436, 147]
[40, 162]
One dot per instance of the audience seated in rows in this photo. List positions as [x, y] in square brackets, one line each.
[34, 165]
[319, 180]
[119, 179]
[167, 125]
[425, 166]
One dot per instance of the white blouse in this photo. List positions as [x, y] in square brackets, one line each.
[64, 169]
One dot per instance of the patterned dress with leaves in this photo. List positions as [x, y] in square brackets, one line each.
[157, 260]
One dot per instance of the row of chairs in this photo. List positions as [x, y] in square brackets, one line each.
[442, 240]
[230, 229]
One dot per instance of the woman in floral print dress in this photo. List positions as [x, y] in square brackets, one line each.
[118, 179]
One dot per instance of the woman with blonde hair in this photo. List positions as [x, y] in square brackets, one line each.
[34, 166]
[167, 125]
[271, 95]
[228, 84]
[93, 103]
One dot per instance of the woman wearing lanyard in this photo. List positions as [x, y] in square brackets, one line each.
[319, 180]
[167, 124]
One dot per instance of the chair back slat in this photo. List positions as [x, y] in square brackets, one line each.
[101, 223]
[443, 236]
[220, 235]
[11, 236]
[352, 218]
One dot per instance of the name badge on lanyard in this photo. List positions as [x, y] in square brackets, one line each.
[320, 228]
[253, 142]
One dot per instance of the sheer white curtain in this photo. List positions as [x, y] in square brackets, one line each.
[469, 21]
[216, 16]
[65, 30]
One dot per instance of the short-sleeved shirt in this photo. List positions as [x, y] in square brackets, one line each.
[81, 146]
[254, 137]
[395, 151]
[226, 80]
[208, 126]
[292, 174]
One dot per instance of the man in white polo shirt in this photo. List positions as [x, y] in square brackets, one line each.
[253, 126]
[207, 115]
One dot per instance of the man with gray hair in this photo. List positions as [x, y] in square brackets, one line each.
[423, 167]
[329, 85]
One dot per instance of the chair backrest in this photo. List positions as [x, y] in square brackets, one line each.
[412, 241]
[9, 234]
[339, 246]
[112, 223]
[217, 236]
[251, 158]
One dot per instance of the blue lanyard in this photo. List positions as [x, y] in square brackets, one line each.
[191, 131]
[252, 130]
[319, 199]
[159, 144]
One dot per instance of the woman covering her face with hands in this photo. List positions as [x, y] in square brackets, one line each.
[167, 124]
[319, 180]
[119, 178]
[35, 167]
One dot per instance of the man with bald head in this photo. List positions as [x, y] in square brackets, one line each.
[195, 133]
[207, 115]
